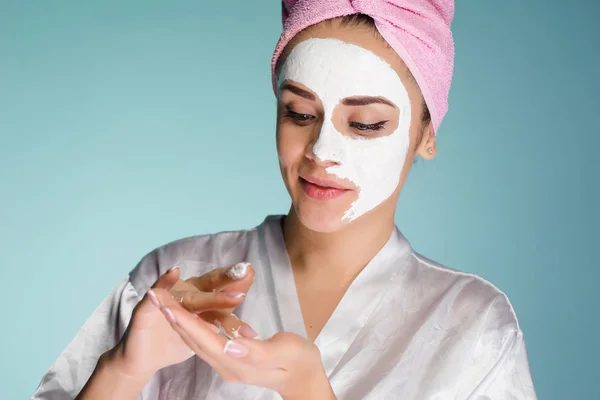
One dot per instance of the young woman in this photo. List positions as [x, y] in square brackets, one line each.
[329, 301]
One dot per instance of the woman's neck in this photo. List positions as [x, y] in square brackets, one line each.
[343, 253]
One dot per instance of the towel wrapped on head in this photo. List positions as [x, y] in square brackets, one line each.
[418, 30]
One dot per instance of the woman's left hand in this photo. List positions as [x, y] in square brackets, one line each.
[286, 363]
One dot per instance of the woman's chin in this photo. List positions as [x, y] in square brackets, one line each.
[322, 219]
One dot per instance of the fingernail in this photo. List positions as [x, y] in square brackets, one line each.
[238, 271]
[170, 316]
[153, 298]
[237, 295]
[214, 328]
[172, 269]
[248, 332]
[235, 349]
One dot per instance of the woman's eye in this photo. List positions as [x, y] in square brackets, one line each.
[368, 127]
[298, 117]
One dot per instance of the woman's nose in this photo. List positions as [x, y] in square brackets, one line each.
[325, 147]
[324, 163]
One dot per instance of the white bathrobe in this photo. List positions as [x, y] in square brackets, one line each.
[407, 328]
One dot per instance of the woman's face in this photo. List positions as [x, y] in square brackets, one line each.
[348, 127]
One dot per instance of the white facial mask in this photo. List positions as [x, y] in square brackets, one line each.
[334, 70]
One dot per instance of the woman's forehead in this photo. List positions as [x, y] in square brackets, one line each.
[365, 37]
[334, 69]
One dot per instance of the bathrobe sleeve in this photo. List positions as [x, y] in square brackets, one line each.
[510, 377]
[103, 329]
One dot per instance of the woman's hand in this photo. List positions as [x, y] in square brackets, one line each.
[150, 343]
[287, 363]
[235, 281]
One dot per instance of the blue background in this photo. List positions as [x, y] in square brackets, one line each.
[125, 125]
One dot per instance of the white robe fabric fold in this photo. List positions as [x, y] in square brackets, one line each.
[407, 328]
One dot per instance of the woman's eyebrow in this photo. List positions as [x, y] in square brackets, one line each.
[300, 92]
[366, 100]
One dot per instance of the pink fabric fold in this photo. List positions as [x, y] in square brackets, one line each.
[418, 30]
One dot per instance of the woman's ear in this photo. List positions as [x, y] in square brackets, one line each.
[427, 148]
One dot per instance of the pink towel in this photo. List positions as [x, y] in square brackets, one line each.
[418, 30]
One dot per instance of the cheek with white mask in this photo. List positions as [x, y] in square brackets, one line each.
[335, 70]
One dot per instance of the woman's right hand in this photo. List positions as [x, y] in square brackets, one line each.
[150, 343]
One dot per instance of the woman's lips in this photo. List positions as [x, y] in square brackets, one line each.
[320, 189]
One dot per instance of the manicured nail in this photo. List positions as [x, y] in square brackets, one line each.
[172, 269]
[235, 349]
[170, 316]
[248, 332]
[238, 271]
[153, 298]
[237, 295]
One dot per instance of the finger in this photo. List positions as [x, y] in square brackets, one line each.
[238, 277]
[163, 299]
[168, 314]
[148, 311]
[230, 324]
[168, 279]
[201, 336]
[216, 350]
[197, 302]
[149, 302]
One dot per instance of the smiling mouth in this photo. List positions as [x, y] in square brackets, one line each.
[322, 189]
